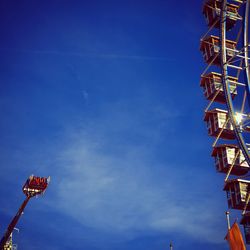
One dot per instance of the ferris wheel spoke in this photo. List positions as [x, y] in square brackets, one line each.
[243, 102]
[232, 165]
[238, 72]
[238, 1]
[234, 67]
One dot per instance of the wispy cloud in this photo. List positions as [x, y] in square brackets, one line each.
[129, 190]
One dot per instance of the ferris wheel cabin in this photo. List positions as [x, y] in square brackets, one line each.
[210, 48]
[245, 221]
[237, 190]
[225, 155]
[212, 11]
[213, 89]
[217, 120]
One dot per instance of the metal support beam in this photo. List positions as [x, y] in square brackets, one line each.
[13, 223]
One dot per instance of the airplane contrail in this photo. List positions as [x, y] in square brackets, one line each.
[92, 55]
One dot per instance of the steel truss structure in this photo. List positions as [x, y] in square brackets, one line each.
[226, 85]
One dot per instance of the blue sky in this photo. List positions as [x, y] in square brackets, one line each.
[104, 97]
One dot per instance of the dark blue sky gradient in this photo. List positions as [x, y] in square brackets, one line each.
[104, 97]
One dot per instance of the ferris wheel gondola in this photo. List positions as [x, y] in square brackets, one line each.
[226, 85]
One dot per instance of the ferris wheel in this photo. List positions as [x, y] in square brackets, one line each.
[226, 86]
